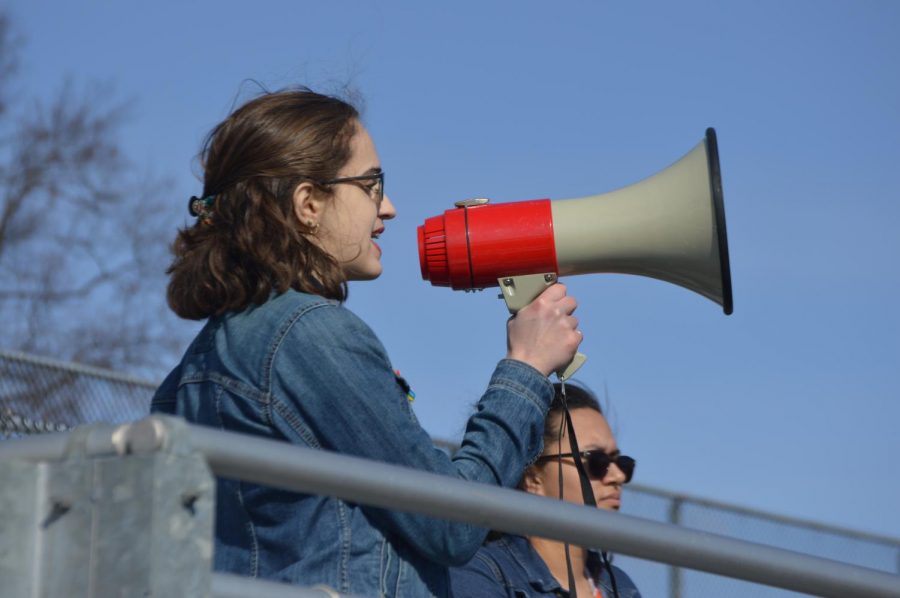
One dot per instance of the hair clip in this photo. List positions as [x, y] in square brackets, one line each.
[201, 208]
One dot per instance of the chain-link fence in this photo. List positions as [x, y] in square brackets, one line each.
[44, 395]
[38, 395]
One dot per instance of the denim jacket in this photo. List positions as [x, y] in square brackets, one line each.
[510, 567]
[305, 370]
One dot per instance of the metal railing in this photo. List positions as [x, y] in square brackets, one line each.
[45, 395]
[851, 546]
[41, 395]
[306, 470]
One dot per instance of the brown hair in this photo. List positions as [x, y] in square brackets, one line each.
[577, 397]
[252, 243]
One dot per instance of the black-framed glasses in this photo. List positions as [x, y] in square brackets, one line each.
[375, 189]
[597, 463]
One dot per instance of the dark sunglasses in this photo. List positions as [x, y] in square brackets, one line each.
[597, 463]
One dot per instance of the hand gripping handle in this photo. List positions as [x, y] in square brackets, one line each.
[519, 291]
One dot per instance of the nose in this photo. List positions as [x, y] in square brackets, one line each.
[614, 475]
[386, 211]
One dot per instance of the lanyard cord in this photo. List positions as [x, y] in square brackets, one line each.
[562, 423]
[587, 493]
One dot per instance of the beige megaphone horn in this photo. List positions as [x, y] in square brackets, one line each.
[670, 226]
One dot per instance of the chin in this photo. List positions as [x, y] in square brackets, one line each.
[366, 275]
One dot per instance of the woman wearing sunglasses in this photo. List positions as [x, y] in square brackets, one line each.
[293, 203]
[515, 566]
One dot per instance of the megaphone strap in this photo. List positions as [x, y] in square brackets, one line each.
[587, 494]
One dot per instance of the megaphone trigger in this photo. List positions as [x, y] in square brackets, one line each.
[519, 291]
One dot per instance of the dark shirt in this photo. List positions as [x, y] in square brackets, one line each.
[509, 567]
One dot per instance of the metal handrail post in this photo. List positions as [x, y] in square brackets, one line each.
[109, 516]
[675, 578]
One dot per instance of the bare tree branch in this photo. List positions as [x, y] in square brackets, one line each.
[83, 235]
[9, 63]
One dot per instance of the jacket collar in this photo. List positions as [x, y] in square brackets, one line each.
[537, 573]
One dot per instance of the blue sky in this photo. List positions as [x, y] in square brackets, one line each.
[789, 405]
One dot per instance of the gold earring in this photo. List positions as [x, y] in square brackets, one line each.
[314, 226]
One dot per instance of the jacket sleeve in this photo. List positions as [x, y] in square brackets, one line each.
[332, 381]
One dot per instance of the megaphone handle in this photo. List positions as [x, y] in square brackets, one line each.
[519, 291]
[566, 373]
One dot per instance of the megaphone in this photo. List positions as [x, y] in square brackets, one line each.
[669, 226]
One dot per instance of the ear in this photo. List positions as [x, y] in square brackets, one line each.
[308, 205]
[533, 480]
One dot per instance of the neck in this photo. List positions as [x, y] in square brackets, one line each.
[554, 555]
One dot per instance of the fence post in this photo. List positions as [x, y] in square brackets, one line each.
[675, 581]
[132, 521]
